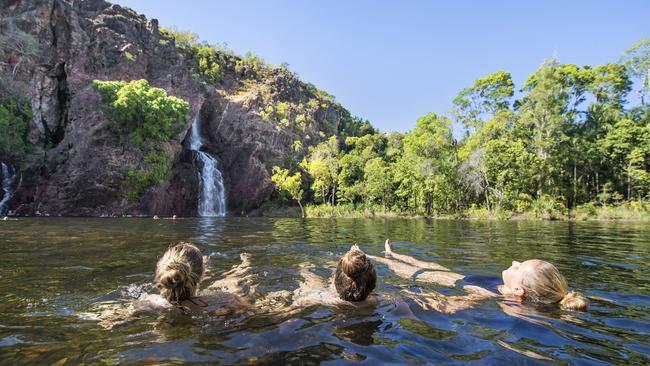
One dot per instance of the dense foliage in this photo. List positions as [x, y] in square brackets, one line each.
[149, 117]
[137, 181]
[570, 138]
[13, 131]
[15, 112]
[208, 60]
[291, 184]
[144, 112]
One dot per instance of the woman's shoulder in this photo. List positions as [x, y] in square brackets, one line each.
[148, 303]
[216, 302]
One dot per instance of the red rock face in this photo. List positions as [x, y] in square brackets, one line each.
[78, 164]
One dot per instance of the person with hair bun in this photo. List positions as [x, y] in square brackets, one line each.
[352, 286]
[178, 276]
[534, 281]
[355, 276]
[180, 271]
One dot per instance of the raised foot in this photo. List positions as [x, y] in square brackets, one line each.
[388, 246]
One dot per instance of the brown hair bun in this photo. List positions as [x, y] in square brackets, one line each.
[179, 272]
[355, 276]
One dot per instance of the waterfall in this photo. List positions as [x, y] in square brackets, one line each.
[212, 196]
[9, 178]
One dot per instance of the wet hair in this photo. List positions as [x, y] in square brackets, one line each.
[355, 276]
[179, 272]
[547, 285]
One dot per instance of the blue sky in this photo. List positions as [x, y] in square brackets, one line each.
[394, 61]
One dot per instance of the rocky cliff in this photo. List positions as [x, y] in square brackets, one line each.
[52, 50]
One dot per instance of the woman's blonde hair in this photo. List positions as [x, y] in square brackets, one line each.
[546, 285]
[355, 276]
[179, 272]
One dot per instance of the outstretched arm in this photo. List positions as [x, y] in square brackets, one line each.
[114, 315]
[450, 304]
[312, 290]
[443, 278]
[238, 280]
[388, 246]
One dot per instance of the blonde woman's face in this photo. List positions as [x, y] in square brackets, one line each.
[513, 276]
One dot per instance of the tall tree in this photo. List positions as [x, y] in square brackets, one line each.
[290, 183]
[488, 95]
[637, 61]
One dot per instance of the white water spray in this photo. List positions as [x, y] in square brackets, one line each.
[212, 195]
[10, 182]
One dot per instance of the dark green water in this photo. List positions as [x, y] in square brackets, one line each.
[53, 271]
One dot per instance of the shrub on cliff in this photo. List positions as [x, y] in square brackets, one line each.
[13, 131]
[209, 64]
[148, 116]
[139, 180]
[144, 112]
[208, 59]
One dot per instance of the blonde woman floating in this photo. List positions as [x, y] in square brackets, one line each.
[534, 281]
[179, 273]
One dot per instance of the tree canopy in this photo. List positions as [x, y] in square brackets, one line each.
[569, 137]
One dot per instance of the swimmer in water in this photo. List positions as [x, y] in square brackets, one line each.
[534, 281]
[352, 286]
[179, 273]
[354, 280]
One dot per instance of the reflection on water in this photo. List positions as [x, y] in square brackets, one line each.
[54, 272]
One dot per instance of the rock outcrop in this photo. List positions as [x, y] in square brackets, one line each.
[78, 160]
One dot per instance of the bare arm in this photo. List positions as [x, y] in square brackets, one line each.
[238, 280]
[388, 246]
[117, 315]
[443, 278]
[450, 304]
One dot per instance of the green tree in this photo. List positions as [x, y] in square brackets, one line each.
[627, 145]
[292, 184]
[430, 157]
[359, 150]
[487, 96]
[378, 181]
[143, 111]
[637, 61]
[322, 164]
[209, 64]
[543, 113]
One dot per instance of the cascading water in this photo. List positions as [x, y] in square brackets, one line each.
[212, 196]
[10, 182]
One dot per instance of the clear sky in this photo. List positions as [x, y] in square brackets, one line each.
[394, 61]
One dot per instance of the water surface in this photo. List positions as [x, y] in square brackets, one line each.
[54, 272]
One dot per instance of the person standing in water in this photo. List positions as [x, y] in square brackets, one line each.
[534, 281]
